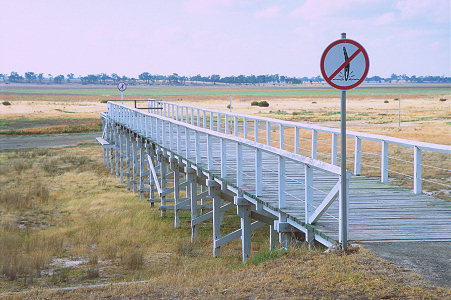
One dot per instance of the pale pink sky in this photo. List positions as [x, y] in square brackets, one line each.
[226, 37]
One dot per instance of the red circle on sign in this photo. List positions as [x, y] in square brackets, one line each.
[121, 86]
[360, 49]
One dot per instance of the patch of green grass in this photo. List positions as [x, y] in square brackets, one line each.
[428, 118]
[332, 113]
[65, 111]
[265, 255]
[278, 112]
[239, 91]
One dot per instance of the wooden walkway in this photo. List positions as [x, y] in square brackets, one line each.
[377, 211]
[265, 184]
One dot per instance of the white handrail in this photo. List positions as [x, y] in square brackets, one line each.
[385, 141]
[140, 121]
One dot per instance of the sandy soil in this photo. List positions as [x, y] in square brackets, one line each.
[32, 110]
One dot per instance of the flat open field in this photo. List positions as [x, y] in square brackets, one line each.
[220, 90]
[425, 116]
[367, 106]
[65, 221]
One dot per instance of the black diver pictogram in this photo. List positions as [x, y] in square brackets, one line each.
[346, 71]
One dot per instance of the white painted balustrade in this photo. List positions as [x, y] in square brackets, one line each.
[177, 130]
[175, 111]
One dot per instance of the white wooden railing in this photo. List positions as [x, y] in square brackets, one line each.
[228, 123]
[175, 132]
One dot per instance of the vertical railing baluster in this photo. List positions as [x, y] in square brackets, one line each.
[157, 131]
[308, 170]
[209, 152]
[417, 188]
[171, 137]
[239, 164]
[296, 140]
[314, 143]
[258, 173]
[223, 158]
[219, 122]
[334, 150]
[281, 182]
[357, 155]
[187, 143]
[256, 131]
[282, 137]
[146, 120]
[268, 133]
[163, 131]
[245, 127]
[198, 150]
[211, 120]
[235, 126]
[384, 162]
[179, 140]
[226, 124]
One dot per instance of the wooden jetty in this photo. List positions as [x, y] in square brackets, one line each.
[187, 158]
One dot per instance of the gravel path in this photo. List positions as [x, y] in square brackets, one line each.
[432, 260]
[51, 140]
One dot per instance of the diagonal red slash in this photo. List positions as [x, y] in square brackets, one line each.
[344, 64]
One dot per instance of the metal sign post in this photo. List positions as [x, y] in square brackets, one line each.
[344, 65]
[121, 86]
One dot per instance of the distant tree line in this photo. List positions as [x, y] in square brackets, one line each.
[174, 79]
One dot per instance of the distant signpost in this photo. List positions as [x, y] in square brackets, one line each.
[344, 65]
[121, 86]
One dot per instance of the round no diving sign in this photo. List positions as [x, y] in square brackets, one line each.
[344, 64]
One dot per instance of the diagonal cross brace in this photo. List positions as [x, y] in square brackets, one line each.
[236, 234]
[154, 174]
[321, 209]
[209, 215]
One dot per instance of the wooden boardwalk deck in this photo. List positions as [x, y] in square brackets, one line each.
[377, 211]
[269, 184]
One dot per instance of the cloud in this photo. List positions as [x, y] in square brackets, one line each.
[207, 6]
[268, 13]
[432, 10]
[385, 19]
[167, 34]
[318, 10]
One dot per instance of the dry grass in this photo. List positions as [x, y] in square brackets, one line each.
[86, 126]
[132, 259]
[90, 217]
[298, 274]
[77, 210]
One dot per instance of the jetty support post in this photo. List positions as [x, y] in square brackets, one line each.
[244, 212]
[142, 157]
[214, 192]
[175, 167]
[163, 175]
[191, 179]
